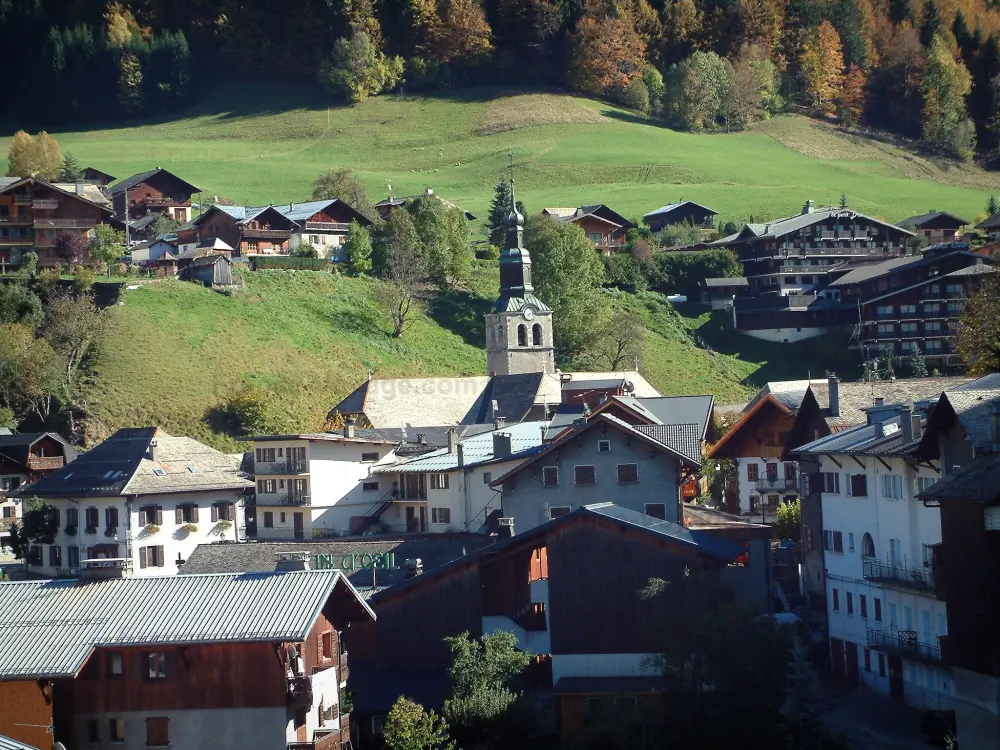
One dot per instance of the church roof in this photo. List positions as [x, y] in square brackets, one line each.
[507, 303]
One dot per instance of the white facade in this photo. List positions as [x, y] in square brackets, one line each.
[878, 554]
[328, 244]
[786, 335]
[761, 489]
[129, 528]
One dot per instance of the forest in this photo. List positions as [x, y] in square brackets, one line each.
[925, 71]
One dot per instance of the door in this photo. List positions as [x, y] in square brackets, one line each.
[837, 659]
[851, 657]
[423, 518]
[298, 525]
[896, 678]
[411, 518]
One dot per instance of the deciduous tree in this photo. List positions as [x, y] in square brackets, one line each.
[461, 32]
[409, 727]
[946, 82]
[29, 372]
[343, 185]
[34, 157]
[755, 84]
[607, 51]
[620, 343]
[71, 247]
[107, 246]
[822, 64]
[699, 92]
[357, 68]
[401, 264]
[851, 102]
[358, 247]
[978, 337]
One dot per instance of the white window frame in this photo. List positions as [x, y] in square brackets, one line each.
[439, 481]
[555, 470]
[604, 446]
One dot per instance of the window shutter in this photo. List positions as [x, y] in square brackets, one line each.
[179, 515]
[159, 556]
[143, 557]
[143, 520]
[159, 515]
[170, 664]
[194, 514]
[140, 662]
[215, 512]
[231, 512]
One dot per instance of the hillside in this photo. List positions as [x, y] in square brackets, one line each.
[177, 350]
[265, 144]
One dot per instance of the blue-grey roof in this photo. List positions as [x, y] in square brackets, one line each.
[525, 438]
[881, 438]
[514, 396]
[978, 482]
[6, 743]
[679, 410]
[674, 206]
[302, 211]
[51, 627]
[684, 438]
[974, 408]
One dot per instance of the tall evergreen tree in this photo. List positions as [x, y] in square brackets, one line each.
[900, 11]
[496, 220]
[930, 24]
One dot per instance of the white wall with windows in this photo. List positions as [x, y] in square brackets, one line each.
[764, 483]
[878, 547]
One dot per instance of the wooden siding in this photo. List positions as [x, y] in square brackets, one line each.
[574, 713]
[505, 579]
[247, 675]
[26, 712]
[218, 224]
[596, 571]
[768, 428]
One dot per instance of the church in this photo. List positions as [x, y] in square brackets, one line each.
[522, 382]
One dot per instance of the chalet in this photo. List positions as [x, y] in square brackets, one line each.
[789, 317]
[530, 584]
[719, 293]
[323, 224]
[604, 227]
[683, 212]
[33, 213]
[24, 458]
[213, 270]
[249, 231]
[803, 253]
[155, 192]
[96, 177]
[936, 226]
[387, 205]
[212, 662]
[142, 496]
[991, 225]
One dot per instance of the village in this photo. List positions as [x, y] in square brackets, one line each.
[163, 593]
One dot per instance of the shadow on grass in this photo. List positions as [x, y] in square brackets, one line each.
[460, 312]
[361, 322]
[221, 421]
[631, 117]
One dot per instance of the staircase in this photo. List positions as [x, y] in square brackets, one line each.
[376, 511]
[794, 603]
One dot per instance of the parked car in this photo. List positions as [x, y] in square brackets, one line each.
[938, 727]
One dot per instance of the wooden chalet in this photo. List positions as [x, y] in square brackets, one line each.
[605, 227]
[936, 226]
[96, 177]
[33, 213]
[545, 585]
[220, 662]
[155, 192]
[250, 231]
[24, 458]
[682, 212]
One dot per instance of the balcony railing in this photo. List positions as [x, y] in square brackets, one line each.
[6, 523]
[16, 220]
[65, 223]
[266, 499]
[299, 691]
[281, 467]
[905, 644]
[330, 740]
[45, 463]
[920, 579]
[266, 234]
[44, 204]
[22, 200]
[161, 201]
[776, 485]
[327, 226]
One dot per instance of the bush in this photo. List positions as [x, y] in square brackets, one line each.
[636, 96]
[123, 269]
[48, 278]
[305, 250]
[254, 409]
[357, 69]
[682, 272]
[654, 87]
[675, 235]
[288, 263]
[83, 279]
[624, 272]
[29, 264]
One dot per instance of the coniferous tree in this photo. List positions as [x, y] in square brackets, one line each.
[496, 220]
[930, 24]
[71, 170]
[992, 206]
[901, 11]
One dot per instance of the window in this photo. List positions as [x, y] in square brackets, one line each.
[628, 473]
[536, 335]
[93, 730]
[886, 329]
[836, 600]
[892, 486]
[439, 481]
[265, 455]
[604, 446]
[440, 515]
[522, 335]
[187, 513]
[838, 542]
[932, 308]
[656, 510]
[863, 604]
[924, 483]
[369, 486]
[878, 609]
[850, 602]
[831, 482]
[53, 513]
[595, 237]
[268, 519]
[558, 510]
[752, 472]
[772, 469]
[932, 346]
[828, 541]
[73, 556]
[92, 519]
[908, 329]
[371, 457]
[550, 476]
[35, 554]
[932, 328]
[881, 665]
[868, 660]
[487, 477]
[116, 663]
[850, 542]
[328, 645]
[267, 486]
[72, 517]
[281, 518]
[789, 470]
[884, 310]
[55, 556]
[867, 545]
[150, 514]
[223, 512]
[907, 309]
[954, 308]
[896, 551]
[156, 662]
[151, 556]
[858, 485]
[584, 475]
[157, 731]
[116, 730]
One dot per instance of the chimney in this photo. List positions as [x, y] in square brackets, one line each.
[349, 427]
[505, 528]
[906, 423]
[291, 206]
[879, 429]
[501, 445]
[286, 562]
[808, 207]
[461, 455]
[833, 384]
[498, 422]
[879, 401]
[915, 429]
[579, 423]
[995, 425]
[414, 566]
[452, 440]
[154, 450]
[420, 438]
[80, 187]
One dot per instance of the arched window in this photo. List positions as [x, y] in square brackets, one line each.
[867, 546]
[522, 335]
[536, 334]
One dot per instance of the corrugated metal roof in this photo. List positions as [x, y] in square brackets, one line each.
[6, 743]
[49, 628]
[671, 206]
[525, 439]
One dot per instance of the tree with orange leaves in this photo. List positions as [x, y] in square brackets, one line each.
[461, 33]
[851, 102]
[822, 65]
[607, 51]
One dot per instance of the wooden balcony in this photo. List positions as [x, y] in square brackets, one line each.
[22, 220]
[80, 223]
[22, 200]
[266, 234]
[45, 204]
[161, 201]
[327, 226]
[45, 463]
[330, 740]
[16, 241]
[300, 692]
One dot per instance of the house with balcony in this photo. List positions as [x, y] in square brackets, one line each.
[887, 619]
[603, 226]
[323, 224]
[34, 213]
[142, 497]
[682, 212]
[390, 203]
[936, 226]
[25, 457]
[249, 231]
[157, 191]
[201, 662]
[544, 584]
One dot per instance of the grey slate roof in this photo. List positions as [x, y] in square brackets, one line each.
[16, 446]
[993, 222]
[879, 439]
[855, 397]
[526, 438]
[873, 270]
[974, 407]
[6, 743]
[789, 224]
[434, 550]
[514, 396]
[918, 221]
[678, 410]
[978, 481]
[122, 465]
[130, 182]
[673, 206]
[683, 438]
[723, 282]
[51, 627]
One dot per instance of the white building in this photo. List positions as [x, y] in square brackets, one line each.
[885, 614]
[141, 496]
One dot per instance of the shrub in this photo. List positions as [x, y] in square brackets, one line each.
[29, 264]
[254, 409]
[123, 269]
[83, 279]
[636, 96]
[305, 250]
[48, 278]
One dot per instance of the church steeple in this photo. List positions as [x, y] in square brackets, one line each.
[515, 262]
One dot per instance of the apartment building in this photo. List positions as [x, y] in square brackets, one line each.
[886, 615]
[25, 457]
[142, 497]
[212, 662]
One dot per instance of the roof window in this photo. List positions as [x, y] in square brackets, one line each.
[159, 472]
[192, 468]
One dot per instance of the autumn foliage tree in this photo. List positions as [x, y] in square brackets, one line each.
[851, 102]
[608, 51]
[978, 337]
[946, 83]
[822, 65]
[34, 157]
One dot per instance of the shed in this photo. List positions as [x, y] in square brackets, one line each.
[211, 270]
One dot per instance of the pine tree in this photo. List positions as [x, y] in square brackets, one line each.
[496, 221]
[930, 24]
[71, 170]
[900, 11]
[916, 364]
[843, 200]
[992, 206]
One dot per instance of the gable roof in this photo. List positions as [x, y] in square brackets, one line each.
[918, 221]
[768, 399]
[789, 224]
[992, 222]
[130, 182]
[98, 173]
[300, 212]
[599, 211]
[874, 270]
[857, 396]
[881, 438]
[724, 282]
[51, 627]
[514, 396]
[672, 410]
[122, 465]
[977, 481]
[16, 446]
[670, 207]
[92, 196]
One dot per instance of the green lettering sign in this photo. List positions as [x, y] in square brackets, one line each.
[364, 561]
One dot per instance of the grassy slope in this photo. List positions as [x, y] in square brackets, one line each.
[176, 350]
[259, 145]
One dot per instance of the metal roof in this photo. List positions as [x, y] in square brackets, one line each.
[6, 743]
[672, 206]
[525, 439]
[978, 481]
[917, 221]
[882, 438]
[51, 627]
[130, 182]
[724, 282]
[974, 409]
[789, 224]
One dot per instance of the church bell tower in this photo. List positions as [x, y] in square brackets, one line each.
[519, 327]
